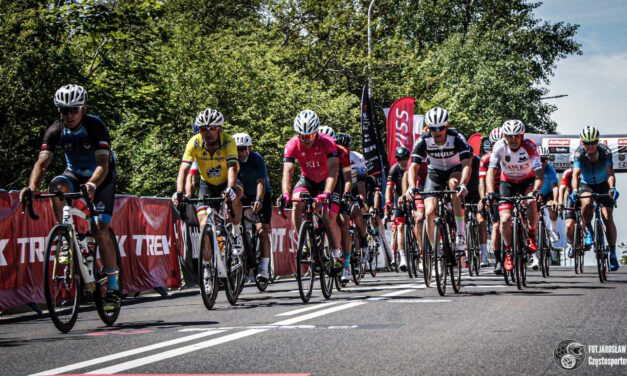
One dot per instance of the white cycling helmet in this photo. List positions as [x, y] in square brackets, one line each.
[70, 96]
[436, 117]
[543, 152]
[496, 135]
[327, 130]
[307, 122]
[208, 117]
[242, 139]
[513, 128]
[589, 134]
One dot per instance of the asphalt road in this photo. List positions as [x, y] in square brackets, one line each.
[389, 325]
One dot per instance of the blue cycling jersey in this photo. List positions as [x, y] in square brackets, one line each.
[550, 179]
[593, 173]
[252, 170]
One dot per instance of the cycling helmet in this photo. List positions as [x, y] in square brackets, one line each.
[436, 117]
[543, 152]
[401, 153]
[242, 139]
[307, 122]
[589, 134]
[70, 96]
[343, 139]
[327, 130]
[208, 117]
[496, 135]
[513, 128]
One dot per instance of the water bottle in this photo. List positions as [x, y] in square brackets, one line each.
[86, 267]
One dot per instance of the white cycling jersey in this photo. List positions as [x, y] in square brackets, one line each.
[516, 166]
[441, 157]
[358, 166]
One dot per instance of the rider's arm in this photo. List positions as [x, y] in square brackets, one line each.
[412, 172]
[611, 179]
[261, 189]
[39, 169]
[489, 180]
[361, 190]
[232, 174]
[333, 165]
[101, 170]
[576, 176]
[286, 182]
[348, 181]
[389, 192]
[466, 170]
[537, 184]
[190, 184]
[561, 194]
[180, 179]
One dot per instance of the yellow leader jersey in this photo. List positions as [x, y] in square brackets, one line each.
[213, 168]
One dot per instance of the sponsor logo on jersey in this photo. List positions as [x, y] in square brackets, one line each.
[442, 154]
[214, 171]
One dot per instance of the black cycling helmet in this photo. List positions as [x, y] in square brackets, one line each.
[401, 153]
[343, 139]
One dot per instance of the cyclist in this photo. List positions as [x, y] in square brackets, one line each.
[393, 192]
[358, 189]
[215, 153]
[253, 175]
[594, 165]
[567, 206]
[522, 173]
[85, 141]
[473, 198]
[495, 237]
[344, 181]
[549, 191]
[317, 156]
[449, 167]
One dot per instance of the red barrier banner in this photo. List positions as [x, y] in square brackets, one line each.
[283, 243]
[144, 231]
[400, 126]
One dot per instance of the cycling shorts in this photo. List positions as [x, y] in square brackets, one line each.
[103, 198]
[602, 188]
[314, 189]
[265, 215]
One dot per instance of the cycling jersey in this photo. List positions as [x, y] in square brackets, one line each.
[483, 171]
[516, 166]
[250, 172]
[345, 165]
[395, 178]
[567, 180]
[213, 167]
[313, 160]
[359, 170]
[80, 145]
[473, 182]
[593, 172]
[443, 157]
[550, 179]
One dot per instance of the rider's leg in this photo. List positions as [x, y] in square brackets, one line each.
[263, 232]
[459, 211]
[483, 237]
[430, 206]
[608, 220]
[64, 184]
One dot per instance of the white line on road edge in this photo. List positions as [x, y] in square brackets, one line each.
[319, 313]
[124, 354]
[310, 308]
[176, 352]
[420, 301]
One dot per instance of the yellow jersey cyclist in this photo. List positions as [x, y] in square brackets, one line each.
[253, 176]
[85, 141]
[215, 153]
[593, 164]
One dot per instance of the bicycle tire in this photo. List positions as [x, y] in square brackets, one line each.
[518, 259]
[599, 248]
[356, 266]
[234, 271]
[427, 257]
[305, 271]
[455, 268]
[549, 251]
[440, 257]
[373, 257]
[69, 296]
[475, 235]
[207, 271]
[409, 252]
[107, 317]
[541, 246]
[327, 275]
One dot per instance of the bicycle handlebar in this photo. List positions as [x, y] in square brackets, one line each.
[28, 197]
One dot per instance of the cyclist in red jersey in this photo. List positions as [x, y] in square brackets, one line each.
[317, 156]
[495, 237]
[521, 173]
[566, 187]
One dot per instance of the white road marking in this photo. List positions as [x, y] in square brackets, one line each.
[309, 308]
[419, 301]
[125, 354]
[485, 287]
[319, 313]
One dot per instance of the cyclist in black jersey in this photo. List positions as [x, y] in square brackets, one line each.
[90, 161]
[393, 192]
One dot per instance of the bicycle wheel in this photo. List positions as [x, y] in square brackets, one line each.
[207, 271]
[373, 255]
[409, 251]
[427, 257]
[542, 245]
[599, 248]
[305, 274]
[518, 259]
[108, 317]
[234, 269]
[62, 280]
[356, 265]
[327, 275]
[440, 257]
[547, 252]
[455, 268]
[577, 248]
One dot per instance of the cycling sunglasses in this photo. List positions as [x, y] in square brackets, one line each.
[307, 137]
[590, 143]
[242, 148]
[437, 129]
[69, 110]
[212, 128]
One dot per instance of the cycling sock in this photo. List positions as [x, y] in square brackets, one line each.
[589, 227]
[347, 260]
[553, 224]
[237, 229]
[461, 226]
[112, 278]
[264, 263]
[484, 252]
[337, 253]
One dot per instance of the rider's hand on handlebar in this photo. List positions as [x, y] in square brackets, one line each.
[257, 205]
[573, 196]
[346, 197]
[26, 194]
[614, 193]
[323, 197]
[177, 197]
[536, 194]
[493, 196]
[462, 191]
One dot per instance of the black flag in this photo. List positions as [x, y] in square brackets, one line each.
[374, 153]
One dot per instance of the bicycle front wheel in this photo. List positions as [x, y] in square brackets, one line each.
[234, 270]
[542, 247]
[305, 274]
[599, 249]
[62, 280]
[427, 256]
[327, 274]
[207, 271]
[519, 263]
[440, 257]
[109, 317]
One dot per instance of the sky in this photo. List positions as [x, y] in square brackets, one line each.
[596, 81]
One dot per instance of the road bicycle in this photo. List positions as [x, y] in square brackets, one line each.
[71, 267]
[520, 234]
[412, 252]
[473, 246]
[601, 251]
[545, 247]
[252, 248]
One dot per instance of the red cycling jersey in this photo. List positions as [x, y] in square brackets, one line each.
[567, 180]
[516, 165]
[483, 170]
[313, 160]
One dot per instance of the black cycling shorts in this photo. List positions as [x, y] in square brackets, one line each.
[212, 191]
[602, 188]
[265, 215]
[438, 180]
[103, 198]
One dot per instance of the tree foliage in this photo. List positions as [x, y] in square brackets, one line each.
[151, 65]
